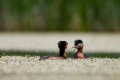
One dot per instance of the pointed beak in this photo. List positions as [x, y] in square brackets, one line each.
[74, 47]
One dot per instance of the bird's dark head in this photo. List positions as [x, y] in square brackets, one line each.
[62, 45]
[78, 44]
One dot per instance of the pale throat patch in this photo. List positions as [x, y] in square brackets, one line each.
[80, 45]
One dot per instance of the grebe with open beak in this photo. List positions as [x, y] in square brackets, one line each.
[78, 44]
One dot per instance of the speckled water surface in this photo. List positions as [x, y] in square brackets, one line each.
[30, 68]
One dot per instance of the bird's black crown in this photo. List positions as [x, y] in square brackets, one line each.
[78, 41]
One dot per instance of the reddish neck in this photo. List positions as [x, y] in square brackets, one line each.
[80, 50]
[80, 54]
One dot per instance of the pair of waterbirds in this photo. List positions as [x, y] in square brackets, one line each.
[62, 45]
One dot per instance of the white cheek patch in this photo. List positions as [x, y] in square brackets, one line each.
[80, 45]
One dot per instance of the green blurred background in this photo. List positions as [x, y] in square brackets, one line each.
[60, 15]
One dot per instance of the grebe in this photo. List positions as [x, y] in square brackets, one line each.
[78, 44]
[62, 45]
